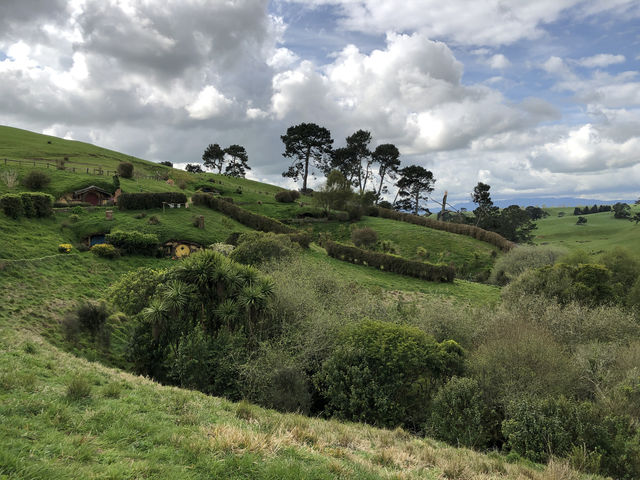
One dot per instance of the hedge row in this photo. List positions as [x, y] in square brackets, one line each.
[459, 228]
[134, 242]
[251, 220]
[146, 201]
[30, 205]
[390, 263]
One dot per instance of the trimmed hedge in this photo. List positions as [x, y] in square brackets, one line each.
[146, 201]
[459, 228]
[252, 220]
[134, 242]
[390, 263]
[38, 205]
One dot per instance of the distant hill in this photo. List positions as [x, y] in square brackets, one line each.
[547, 202]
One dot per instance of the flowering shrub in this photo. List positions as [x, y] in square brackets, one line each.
[105, 250]
[65, 247]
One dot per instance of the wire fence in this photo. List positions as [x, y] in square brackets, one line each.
[74, 167]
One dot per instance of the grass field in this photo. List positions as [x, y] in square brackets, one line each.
[602, 232]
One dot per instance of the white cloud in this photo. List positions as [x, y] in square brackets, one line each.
[210, 103]
[499, 62]
[601, 60]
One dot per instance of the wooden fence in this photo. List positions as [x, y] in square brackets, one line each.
[76, 167]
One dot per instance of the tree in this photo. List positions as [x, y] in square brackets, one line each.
[213, 157]
[514, 224]
[485, 209]
[358, 147]
[193, 168]
[335, 194]
[536, 213]
[237, 165]
[621, 210]
[343, 160]
[414, 185]
[166, 163]
[387, 157]
[306, 143]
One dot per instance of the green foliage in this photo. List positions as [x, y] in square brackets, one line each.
[515, 262]
[36, 180]
[116, 182]
[308, 145]
[414, 185]
[458, 228]
[287, 196]
[125, 169]
[78, 388]
[131, 293]
[364, 237]
[252, 220]
[335, 194]
[105, 250]
[12, 205]
[624, 267]
[585, 283]
[134, 242]
[459, 415]
[78, 210]
[581, 221]
[384, 374]
[390, 263]
[621, 210]
[146, 201]
[37, 204]
[92, 316]
[255, 248]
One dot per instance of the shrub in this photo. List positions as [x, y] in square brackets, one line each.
[387, 246]
[78, 388]
[134, 242]
[287, 196]
[146, 201]
[92, 317]
[459, 414]
[78, 210]
[65, 248]
[581, 221]
[105, 250]
[390, 263]
[12, 205]
[73, 218]
[36, 180]
[255, 248]
[524, 257]
[355, 211]
[125, 169]
[9, 178]
[384, 374]
[252, 220]
[131, 293]
[223, 248]
[364, 237]
[154, 220]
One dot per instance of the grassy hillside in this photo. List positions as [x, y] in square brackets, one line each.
[601, 232]
[70, 417]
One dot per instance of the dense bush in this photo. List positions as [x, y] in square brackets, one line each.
[125, 169]
[12, 205]
[134, 242]
[459, 228]
[28, 204]
[252, 220]
[287, 196]
[132, 291]
[364, 237]
[36, 180]
[586, 283]
[146, 201]
[384, 374]
[105, 250]
[92, 316]
[459, 415]
[390, 263]
[524, 257]
[255, 248]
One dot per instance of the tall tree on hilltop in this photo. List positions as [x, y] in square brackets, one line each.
[387, 157]
[213, 157]
[344, 160]
[306, 143]
[414, 185]
[358, 146]
[482, 198]
[238, 163]
[193, 168]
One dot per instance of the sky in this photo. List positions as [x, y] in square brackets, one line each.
[536, 98]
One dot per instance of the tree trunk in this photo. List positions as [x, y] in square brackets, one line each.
[417, 201]
[381, 182]
[306, 169]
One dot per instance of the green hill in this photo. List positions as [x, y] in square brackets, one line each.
[68, 408]
[602, 231]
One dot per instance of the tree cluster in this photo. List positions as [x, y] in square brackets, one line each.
[590, 210]
[235, 157]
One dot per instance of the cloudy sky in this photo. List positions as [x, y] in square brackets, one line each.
[537, 98]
